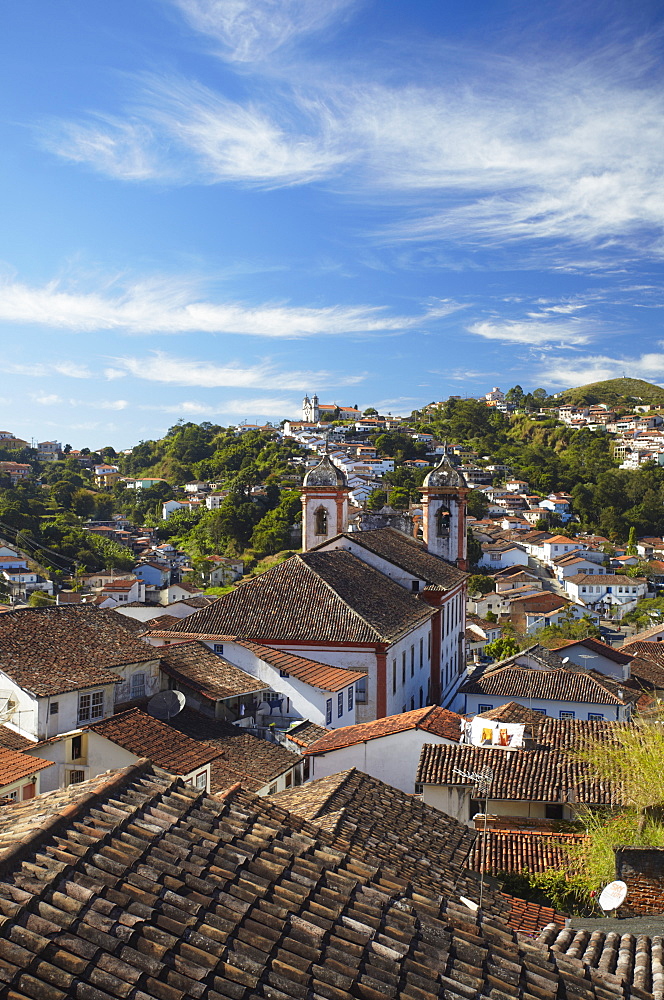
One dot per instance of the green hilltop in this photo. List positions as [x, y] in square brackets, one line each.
[614, 392]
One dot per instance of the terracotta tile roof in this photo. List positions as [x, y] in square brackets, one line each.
[196, 666]
[244, 757]
[13, 740]
[52, 650]
[159, 742]
[532, 775]
[316, 596]
[607, 579]
[145, 887]
[432, 719]
[195, 602]
[305, 733]
[512, 711]
[320, 675]
[513, 850]
[648, 670]
[407, 553]
[538, 602]
[562, 683]
[190, 588]
[651, 650]
[15, 765]
[164, 622]
[601, 648]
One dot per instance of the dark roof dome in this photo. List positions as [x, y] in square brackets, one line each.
[325, 474]
[446, 476]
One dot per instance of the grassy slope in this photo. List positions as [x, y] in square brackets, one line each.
[615, 390]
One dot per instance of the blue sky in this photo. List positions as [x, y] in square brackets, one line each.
[212, 206]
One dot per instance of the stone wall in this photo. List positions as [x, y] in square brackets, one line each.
[642, 870]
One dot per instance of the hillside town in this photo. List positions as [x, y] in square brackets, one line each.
[231, 771]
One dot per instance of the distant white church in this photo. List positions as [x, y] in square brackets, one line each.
[312, 410]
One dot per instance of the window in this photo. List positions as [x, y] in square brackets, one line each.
[394, 676]
[361, 691]
[90, 706]
[429, 646]
[201, 780]
[553, 811]
[412, 704]
[320, 521]
[12, 796]
[443, 523]
[415, 586]
[75, 777]
[138, 685]
[283, 673]
[328, 712]
[218, 648]
[567, 715]
[350, 698]
[76, 747]
[421, 698]
[403, 668]
[595, 716]
[484, 708]
[289, 779]
[272, 789]
[54, 708]
[412, 661]
[421, 652]
[340, 704]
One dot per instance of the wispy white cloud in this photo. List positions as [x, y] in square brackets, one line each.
[162, 367]
[71, 369]
[182, 132]
[559, 370]
[47, 399]
[258, 406]
[174, 306]
[531, 332]
[251, 30]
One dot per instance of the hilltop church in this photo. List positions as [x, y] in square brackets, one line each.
[312, 410]
[379, 601]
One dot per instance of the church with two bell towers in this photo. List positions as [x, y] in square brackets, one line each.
[379, 602]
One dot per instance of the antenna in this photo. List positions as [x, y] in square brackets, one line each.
[166, 704]
[482, 779]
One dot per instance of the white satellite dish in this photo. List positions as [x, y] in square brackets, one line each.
[612, 896]
[166, 704]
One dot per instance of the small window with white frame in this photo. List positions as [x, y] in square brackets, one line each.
[567, 715]
[90, 706]
[484, 708]
[361, 691]
[595, 717]
[201, 780]
[350, 698]
[218, 648]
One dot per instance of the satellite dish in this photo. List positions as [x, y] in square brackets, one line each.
[612, 896]
[166, 704]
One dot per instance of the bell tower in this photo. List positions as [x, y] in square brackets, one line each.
[445, 493]
[324, 503]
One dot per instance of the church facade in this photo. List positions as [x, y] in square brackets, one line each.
[312, 410]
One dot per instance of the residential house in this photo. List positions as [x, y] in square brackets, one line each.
[68, 665]
[539, 679]
[300, 688]
[49, 451]
[212, 684]
[175, 592]
[577, 561]
[538, 784]
[262, 766]
[388, 749]
[21, 775]
[17, 471]
[153, 574]
[120, 741]
[501, 555]
[606, 593]
[123, 591]
[479, 633]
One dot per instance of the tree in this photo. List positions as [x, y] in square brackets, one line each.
[478, 504]
[474, 548]
[376, 499]
[631, 542]
[477, 583]
[501, 648]
[398, 498]
[38, 599]
[370, 412]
